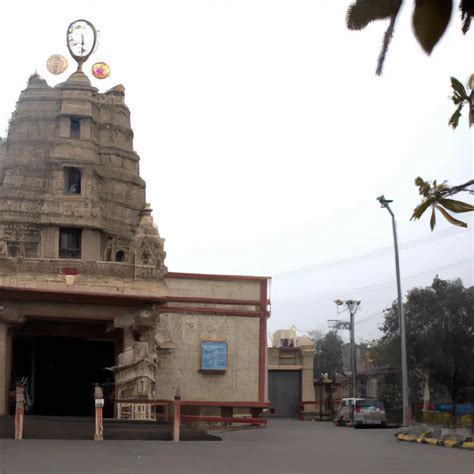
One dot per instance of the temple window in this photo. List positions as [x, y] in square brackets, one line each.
[70, 243]
[72, 180]
[146, 258]
[120, 256]
[75, 128]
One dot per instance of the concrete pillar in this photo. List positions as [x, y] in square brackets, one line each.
[64, 125]
[50, 242]
[86, 129]
[307, 374]
[90, 244]
[4, 368]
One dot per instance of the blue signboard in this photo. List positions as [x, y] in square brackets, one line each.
[213, 355]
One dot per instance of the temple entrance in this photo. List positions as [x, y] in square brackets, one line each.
[63, 369]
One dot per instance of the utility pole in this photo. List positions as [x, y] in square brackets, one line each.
[385, 203]
[352, 306]
[353, 357]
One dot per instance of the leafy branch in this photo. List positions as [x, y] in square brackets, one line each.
[436, 197]
[430, 20]
[461, 98]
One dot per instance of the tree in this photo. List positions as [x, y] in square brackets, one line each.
[436, 196]
[328, 357]
[461, 98]
[430, 20]
[440, 335]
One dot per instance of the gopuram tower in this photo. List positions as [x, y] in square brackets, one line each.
[83, 281]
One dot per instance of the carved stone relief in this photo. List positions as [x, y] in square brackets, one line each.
[149, 249]
[117, 249]
[19, 240]
[144, 337]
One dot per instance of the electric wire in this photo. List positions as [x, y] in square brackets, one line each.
[377, 252]
[365, 289]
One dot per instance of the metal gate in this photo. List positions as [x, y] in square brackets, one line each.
[284, 392]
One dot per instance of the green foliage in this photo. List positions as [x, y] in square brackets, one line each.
[362, 12]
[391, 394]
[328, 357]
[430, 19]
[435, 195]
[460, 98]
[467, 11]
[440, 335]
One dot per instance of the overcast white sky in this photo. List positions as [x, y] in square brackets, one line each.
[265, 137]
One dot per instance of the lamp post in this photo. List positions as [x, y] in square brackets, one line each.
[352, 306]
[385, 203]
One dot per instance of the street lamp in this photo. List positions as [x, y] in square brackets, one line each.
[352, 306]
[385, 203]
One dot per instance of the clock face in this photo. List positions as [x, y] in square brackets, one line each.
[81, 39]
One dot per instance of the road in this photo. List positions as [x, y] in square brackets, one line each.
[286, 446]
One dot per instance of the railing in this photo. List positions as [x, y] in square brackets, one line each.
[227, 415]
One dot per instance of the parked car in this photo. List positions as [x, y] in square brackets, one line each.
[361, 411]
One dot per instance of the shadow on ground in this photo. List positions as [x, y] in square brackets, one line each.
[43, 427]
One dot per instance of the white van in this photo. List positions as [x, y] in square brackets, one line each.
[361, 411]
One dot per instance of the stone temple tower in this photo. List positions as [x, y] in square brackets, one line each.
[85, 296]
[69, 182]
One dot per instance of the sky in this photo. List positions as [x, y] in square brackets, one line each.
[265, 137]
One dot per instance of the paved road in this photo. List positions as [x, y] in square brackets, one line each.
[286, 446]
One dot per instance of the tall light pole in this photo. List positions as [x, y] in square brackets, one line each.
[352, 306]
[401, 316]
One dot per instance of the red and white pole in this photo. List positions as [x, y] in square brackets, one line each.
[19, 411]
[177, 416]
[99, 405]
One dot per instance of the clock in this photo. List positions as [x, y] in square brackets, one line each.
[81, 41]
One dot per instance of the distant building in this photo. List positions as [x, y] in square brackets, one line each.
[290, 372]
[368, 375]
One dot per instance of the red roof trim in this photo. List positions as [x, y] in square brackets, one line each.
[206, 276]
[12, 292]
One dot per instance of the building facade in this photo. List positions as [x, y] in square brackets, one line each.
[85, 295]
[290, 373]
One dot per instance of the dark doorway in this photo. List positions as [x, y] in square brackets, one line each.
[284, 392]
[62, 371]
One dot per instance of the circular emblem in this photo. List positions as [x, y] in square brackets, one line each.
[100, 70]
[56, 64]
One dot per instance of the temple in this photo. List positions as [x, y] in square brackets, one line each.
[85, 294]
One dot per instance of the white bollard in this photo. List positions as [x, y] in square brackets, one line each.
[19, 411]
[99, 404]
